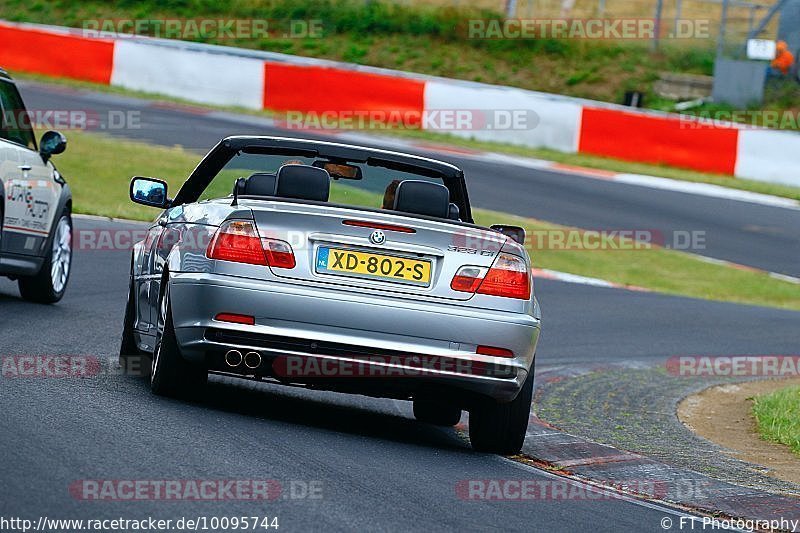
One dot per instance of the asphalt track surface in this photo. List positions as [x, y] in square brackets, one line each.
[378, 468]
[755, 235]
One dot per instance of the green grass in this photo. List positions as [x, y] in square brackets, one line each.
[583, 160]
[98, 169]
[778, 417]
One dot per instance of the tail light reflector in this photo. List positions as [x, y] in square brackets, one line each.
[235, 318]
[468, 279]
[494, 352]
[279, 253]
[238, 241]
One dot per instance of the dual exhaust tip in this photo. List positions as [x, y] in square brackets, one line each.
[234, 359]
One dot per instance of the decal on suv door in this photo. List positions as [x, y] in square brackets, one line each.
[28, 205]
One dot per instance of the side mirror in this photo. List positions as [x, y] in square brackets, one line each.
[52, 143]
[516, 233]
[151, 192]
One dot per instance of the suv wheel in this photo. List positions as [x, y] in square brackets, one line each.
[49, 284]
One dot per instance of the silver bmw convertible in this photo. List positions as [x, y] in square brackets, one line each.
[336, 267]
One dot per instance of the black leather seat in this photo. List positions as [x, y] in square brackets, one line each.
[260, 184]
[422, 198]
[303, 182]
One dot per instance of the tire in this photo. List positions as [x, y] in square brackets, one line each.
[436, 413]
[172, 375]
[500, 427]
[49, 284]
[133, 361]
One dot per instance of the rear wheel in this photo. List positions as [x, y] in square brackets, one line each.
[49, 284]
[437, 413]
[500, 427]
[171, 374]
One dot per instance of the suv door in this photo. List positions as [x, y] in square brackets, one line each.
[31, 193]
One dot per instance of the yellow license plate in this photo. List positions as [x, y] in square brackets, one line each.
[373, 266]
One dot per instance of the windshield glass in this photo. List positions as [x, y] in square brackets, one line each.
[376, 184]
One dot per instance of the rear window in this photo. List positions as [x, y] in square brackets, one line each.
[370, 191]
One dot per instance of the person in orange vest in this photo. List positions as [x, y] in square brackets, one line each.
[783, 61]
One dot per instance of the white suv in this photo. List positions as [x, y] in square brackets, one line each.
[35, 204]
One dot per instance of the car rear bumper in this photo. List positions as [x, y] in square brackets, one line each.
[346, 341]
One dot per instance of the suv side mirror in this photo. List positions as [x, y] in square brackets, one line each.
[151, 192]
[52, 143]
[516, 233]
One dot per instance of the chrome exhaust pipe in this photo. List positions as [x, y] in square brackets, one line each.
[233, 358]
[252, 360]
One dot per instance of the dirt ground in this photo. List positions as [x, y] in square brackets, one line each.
[723, 415]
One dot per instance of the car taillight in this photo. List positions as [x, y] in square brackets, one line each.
[508, 277]
[238, 241]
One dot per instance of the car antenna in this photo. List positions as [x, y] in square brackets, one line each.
[239, 183]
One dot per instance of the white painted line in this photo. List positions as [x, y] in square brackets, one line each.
[784, 277]
[739, 266]
[706, 189]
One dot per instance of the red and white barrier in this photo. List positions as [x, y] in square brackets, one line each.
[55, 52]
[768, 155]
[657, 138]
[261, 80]
[195, 75]
[556, 123]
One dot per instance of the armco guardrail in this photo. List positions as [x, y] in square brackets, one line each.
[262, 80]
